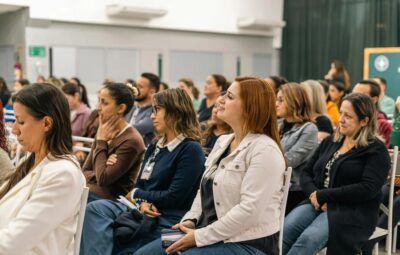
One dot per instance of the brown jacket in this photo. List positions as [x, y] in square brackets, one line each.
[111, 181]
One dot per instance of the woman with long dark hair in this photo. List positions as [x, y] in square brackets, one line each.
[39, 201]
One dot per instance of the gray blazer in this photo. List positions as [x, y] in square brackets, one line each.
[298, 144]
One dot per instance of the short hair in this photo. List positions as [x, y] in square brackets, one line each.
[179, 112]
[381, 79]
[122, 94]
[259, 109]
[364, 108]
[221, 81]
[154, 80]
[375, 90]
[297, 103]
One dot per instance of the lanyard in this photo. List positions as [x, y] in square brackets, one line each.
[148, 167]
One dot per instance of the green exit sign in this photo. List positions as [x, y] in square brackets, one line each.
[37, 51]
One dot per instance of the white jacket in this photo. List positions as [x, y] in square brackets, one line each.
[39, 214]
[247, 191]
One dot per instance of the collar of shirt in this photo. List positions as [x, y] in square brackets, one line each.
[171, 145]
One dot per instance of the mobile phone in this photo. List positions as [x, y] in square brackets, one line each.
[170, 236]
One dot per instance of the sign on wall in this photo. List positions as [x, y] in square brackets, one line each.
[37, 51]
[384, 62]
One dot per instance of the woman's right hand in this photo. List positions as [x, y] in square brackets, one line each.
[149, 209]
[108, 130]
[112, 159]
[186, 223]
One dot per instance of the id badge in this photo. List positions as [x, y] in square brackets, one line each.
[147, 172]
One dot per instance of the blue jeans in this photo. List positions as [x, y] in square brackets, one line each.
[155, 248]
[305, 231]
[98, 231]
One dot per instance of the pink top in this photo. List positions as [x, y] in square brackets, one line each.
[79, 120]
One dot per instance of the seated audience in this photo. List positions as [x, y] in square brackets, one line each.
[167, 183]
[372, 89]
[148, 84]
[343, 177]
[40, 200]
[187, 85]
[319, 113]
[237, 208]
[213, 87]
[386, 103]
[299, 136]
[115, 141]
[79, 111]
[214, 128]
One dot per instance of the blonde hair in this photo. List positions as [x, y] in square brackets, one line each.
[316, 94]
[297, 102]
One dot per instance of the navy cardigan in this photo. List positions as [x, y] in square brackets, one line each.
[175, 178]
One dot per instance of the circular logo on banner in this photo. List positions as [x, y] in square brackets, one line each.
[381, 63]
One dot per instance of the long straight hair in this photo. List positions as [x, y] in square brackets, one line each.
[259, 109]
[43, 100]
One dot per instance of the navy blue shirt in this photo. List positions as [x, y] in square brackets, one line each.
[175, 178]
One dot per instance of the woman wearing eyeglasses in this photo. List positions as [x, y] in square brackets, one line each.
[299, 136]
[167, 183]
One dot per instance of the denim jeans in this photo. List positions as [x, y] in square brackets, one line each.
[155, 248]
[98, 231]
[305, 231]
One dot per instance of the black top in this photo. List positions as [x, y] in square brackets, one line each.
[268, 244]
[204, 112]
[324, 124]
[287, 126]
[354, 192]
[210, 142]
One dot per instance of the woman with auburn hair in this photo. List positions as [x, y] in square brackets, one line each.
[343, 181]
[166, 185]
[237, 208]
[299, 135]
[40, 200]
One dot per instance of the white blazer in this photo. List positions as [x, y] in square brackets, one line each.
[39, 214]
[247, 191]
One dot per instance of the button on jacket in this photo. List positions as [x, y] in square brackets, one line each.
[247, 191]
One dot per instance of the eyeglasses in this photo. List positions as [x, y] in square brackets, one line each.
[279, 100]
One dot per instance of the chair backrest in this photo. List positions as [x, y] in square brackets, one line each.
[389, 210]
[286, 185]
[81, 216]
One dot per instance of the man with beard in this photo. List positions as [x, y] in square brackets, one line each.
[148, 84]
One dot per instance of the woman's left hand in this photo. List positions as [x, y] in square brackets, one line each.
[186, 242]
[314, 201]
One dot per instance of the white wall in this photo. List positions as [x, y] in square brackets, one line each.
[192, 15]
[12, 37]
[149, 43]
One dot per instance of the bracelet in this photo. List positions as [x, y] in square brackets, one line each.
[138, 201]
